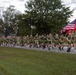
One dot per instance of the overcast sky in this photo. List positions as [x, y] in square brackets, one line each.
[19, 5]
[72, 5]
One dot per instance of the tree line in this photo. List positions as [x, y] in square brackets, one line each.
[41, 16]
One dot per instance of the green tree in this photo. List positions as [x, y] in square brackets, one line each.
[10, 20]
[23, 27]
[47, 15]
[1, 26]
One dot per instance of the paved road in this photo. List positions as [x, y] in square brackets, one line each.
[72, 51]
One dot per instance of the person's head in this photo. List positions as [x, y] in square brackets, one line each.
[56, 35]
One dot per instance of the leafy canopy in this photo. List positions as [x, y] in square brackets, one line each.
[47, 15]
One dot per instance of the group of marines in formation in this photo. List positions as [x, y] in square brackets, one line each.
[41, 41]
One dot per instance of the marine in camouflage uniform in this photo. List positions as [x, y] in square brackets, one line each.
[49, 41]
[1, 41]
[61, 43]
[36, 40]
[56, 40]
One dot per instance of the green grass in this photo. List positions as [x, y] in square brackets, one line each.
[31, 62]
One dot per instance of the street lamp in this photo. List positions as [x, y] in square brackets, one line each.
[32, 27]
[5, 32]
[17, 31]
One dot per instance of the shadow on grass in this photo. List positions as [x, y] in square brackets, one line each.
[3, 71]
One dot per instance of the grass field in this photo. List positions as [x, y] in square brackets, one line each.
[31, 62]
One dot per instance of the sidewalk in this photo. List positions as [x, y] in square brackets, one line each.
[72, 51]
